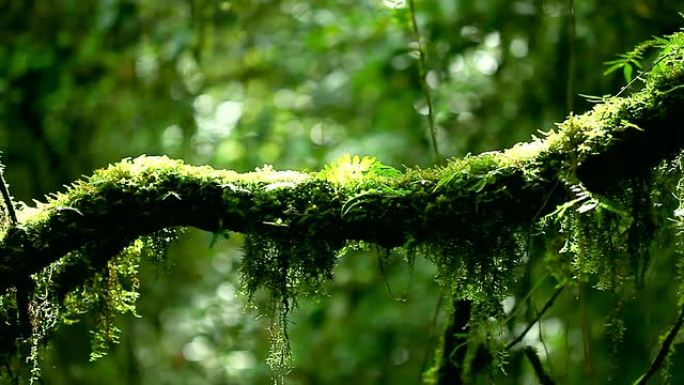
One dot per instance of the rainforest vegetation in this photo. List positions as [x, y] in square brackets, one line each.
[341, 192]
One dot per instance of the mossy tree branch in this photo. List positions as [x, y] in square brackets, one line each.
[356, 199]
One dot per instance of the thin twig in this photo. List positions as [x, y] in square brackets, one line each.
[570, 81]
[422, 68]
[528, 241]
[642, 73]
[25, 290]
[537, 285]
[431, 336]
[544, 378]
[546, 348]
[586, 335]
[384, 273]
[23, 298]
[546, 307]
[663, 352]
[7, 199]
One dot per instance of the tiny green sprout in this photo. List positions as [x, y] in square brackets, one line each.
[351, 168]
[348, 168]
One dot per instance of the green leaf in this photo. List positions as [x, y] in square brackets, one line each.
[627, 71]
[614, 65]
[588, 206]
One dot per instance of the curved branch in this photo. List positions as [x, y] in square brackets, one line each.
[140, 196]
[618, 139]
[540, 314]
[532, 356]
[665, 349]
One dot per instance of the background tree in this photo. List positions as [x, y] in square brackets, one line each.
[240, 84]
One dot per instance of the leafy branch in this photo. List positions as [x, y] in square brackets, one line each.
[627, 62]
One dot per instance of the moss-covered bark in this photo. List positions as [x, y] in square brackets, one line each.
[352, 200]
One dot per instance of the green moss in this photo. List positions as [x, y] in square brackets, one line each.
[108, 293]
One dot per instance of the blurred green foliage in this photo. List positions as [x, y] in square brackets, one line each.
[237, 84]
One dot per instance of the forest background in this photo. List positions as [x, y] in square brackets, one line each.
[240, 84]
